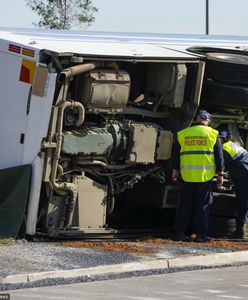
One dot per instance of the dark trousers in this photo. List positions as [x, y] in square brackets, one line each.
[195, 198]
[242, 206]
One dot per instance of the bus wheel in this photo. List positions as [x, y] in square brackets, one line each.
[224, 95]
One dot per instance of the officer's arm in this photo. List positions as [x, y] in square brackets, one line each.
[219, 158]
[227, 159]
[176, 161]
[219, 162]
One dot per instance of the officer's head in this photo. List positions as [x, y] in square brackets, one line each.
[203, 117]
[224, 136]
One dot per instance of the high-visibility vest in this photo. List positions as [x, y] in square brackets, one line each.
[233, 149]
[197, 153]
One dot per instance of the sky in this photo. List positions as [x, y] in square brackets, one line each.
[226, 17]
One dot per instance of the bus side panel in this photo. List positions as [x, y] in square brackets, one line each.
[13, 110]
[38, 122]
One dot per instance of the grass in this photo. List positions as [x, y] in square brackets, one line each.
[6, 241]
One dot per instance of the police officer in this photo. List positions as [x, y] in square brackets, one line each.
[198, 157]
[236, 163]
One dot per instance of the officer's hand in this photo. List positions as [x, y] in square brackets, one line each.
[175, 175]
[219, 181]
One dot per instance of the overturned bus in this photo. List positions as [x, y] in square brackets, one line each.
[88, 122]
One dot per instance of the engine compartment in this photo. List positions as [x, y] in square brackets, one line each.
[110, 138]
[107, 156]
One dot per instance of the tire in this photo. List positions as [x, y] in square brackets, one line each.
[220, 94]
[221, 227]
[224, 205]
[227, 68]
[231, 58]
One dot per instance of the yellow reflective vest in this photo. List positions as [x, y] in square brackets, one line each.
[197, 153]
[233, 149]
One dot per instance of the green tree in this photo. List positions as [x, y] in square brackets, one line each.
[63, 14]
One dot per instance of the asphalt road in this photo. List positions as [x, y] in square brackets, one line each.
[220, 283]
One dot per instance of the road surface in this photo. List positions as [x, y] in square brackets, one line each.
[221, 283]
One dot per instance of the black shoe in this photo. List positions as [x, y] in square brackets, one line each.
[179, 237]
[203, 239]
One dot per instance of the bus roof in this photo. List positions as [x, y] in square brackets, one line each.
[119, 44]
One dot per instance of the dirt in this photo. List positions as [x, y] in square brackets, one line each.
[112, 246]
[229, 245]
[134, 247]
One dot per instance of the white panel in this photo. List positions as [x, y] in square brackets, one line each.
[34, 195]
[13, 104]
[87, 42]
[119, 49]
[119, 46]
[38, 121]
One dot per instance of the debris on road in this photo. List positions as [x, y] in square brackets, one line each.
[135, 246]
[111, 246]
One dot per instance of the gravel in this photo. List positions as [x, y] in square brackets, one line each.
[27, 257]
[22, 257]
[30, 257]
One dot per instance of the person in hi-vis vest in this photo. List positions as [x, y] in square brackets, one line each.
[236, 164]
[198, 156]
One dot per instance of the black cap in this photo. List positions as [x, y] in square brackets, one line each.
[223, 134]
[204, 115]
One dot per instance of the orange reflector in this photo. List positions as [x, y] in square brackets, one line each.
[28, 52]
[27, 71]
